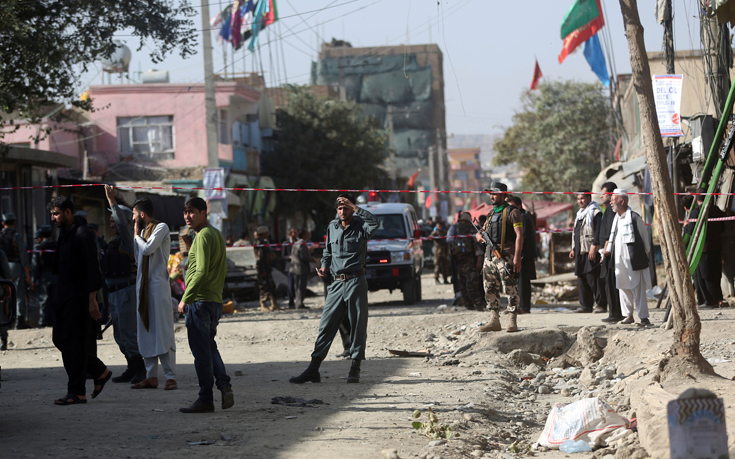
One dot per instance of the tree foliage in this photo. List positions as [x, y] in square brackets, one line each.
[48, 44]
[557, 136]
[323, 143]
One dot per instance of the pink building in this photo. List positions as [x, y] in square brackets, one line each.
[164, 125]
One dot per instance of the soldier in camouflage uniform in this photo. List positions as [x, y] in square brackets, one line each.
[467, 252]
[441, 253]
[265, 257]
[504, 226]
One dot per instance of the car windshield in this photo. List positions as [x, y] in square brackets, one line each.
[391, 226]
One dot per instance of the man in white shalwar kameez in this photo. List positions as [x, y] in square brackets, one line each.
[155, 316]
[629, 249]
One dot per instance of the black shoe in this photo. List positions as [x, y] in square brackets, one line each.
[437, 282]
[645, 322]
[228, 397]
[125, 377]
[20, 324]
[137, 365]
[310, 375]
[613, 319]
[199, 407]
[354, 376]
[344, 354]
[4, 344]
[583, 310]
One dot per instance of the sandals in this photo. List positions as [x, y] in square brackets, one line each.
[101, 382]
[146, 384]
[69, 399]
[170, 384]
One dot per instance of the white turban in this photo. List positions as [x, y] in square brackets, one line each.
[620, 192]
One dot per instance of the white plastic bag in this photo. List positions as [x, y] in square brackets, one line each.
[589, 419]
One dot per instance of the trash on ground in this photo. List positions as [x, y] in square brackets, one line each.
[298, 402]
[571, 446]
[202, 443]
[589, 419]
[409, 353]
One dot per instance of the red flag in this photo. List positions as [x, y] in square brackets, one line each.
[536, 77]
[428, 201]
[412, 181]
[272, 15]
[582, 34]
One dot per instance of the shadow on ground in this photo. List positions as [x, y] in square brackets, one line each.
[123, 422]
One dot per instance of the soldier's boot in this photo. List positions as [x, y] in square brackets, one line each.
[126, 375]
[274, 303]
[264, 306]
[494, 324]
[311, 373]
[354, 376]
[512, 324]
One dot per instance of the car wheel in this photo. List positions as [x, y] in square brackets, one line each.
[409, 291]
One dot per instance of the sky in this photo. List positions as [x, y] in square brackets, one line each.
[489, 46]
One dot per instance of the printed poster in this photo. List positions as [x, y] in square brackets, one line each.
[667, 95]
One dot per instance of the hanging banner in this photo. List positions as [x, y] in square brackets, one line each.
[667, 93]
[214, 178]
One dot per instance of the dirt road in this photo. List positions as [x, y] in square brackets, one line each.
[479, 396]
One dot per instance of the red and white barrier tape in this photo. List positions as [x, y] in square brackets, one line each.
[429, 238]
[330, 190]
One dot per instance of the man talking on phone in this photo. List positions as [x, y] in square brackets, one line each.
[344, 260]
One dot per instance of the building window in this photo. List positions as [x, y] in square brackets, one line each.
[146, 135]
[224, 129]
[461, 175]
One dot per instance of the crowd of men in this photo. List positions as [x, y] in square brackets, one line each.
[493, 256]
[72, 275]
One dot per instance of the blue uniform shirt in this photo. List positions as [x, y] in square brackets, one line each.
[346, 248]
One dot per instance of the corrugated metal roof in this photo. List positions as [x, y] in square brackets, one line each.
[634, 165]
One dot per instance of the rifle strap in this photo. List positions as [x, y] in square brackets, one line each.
[502, 231]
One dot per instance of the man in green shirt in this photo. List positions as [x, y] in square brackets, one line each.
[205, 279]
[344, 258]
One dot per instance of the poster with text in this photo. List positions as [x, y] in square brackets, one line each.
[667, 94]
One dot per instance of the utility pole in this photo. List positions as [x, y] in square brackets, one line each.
[432, 177]
[685, 352]
[669, 55]
[441, 183]
[210, 106]
[391, 150]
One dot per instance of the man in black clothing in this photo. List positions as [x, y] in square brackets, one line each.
[42, 275]
[607, 267]
[708, 274]
[76, 308]
[585, 254]
[528, 257]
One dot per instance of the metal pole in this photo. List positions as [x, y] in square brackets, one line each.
[210, 106]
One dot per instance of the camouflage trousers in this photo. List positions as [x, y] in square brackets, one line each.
[441, 266]
[266, 285]
[494, 279]
[469, 279]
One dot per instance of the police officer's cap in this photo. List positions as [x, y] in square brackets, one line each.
[44, 231]
[262, 230]
[497, 187]
[9, 217]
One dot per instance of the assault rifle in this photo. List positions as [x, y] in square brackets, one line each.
[492, 247]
